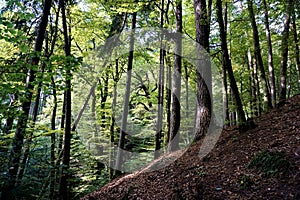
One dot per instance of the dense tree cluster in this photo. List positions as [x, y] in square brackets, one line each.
[73, 105]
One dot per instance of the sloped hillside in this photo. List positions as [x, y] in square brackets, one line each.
[263, 163]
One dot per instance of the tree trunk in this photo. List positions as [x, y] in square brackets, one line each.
[204, 89]
[227, 64]
[176, 85]
[258, 57]
[224, 80]
[284, 52]
[17, 144]
[160, 99]
[34, 115]
[92, 91]
[168, 97]
[270, 56]
[112, 126]
[253, 96]
[121, 144]
[63, 187]
[52, 153]
[296, 41]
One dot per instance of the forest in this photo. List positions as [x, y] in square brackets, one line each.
[93, 90]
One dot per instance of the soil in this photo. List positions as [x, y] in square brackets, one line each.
[224, 173]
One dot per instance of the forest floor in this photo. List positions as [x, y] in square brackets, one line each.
[225, 172]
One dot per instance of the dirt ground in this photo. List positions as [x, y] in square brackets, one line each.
[224, 172]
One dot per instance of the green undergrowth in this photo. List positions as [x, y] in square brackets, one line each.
[270, 163]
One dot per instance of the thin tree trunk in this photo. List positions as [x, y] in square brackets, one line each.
[52, 153]
[112, 126]
[22, 121]
[253, 97]
[284, 52]
[168, 97]
[104, 95]
[258, 57]
[227, 64]
[224, 79]
[270, 56]
[158, 134]
[64, 189]
[176, 85]
[92, 91]
[34, 116]
[121, 145]
[232, 114]
[296, 41]
[289, 75]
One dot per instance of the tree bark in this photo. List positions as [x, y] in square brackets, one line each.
[258, 57]
[168, 96]
[173, 144]
[64, 186]
[112, 126]
[224, 80]
[53, 138]
[160, 97]
[204, 89]
[227, 64]
[121, 144]
[270, 56]
[17, 145]
[284, 52]
[253, 96]
[296, 41]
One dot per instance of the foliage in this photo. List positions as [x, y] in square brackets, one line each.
[96, 136]
[270, 162]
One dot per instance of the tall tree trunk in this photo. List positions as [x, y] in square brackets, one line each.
[253, 96]
[232, 114]
[224, 79]
[160, 99]
[204, 89]
[296, 41]
[113, 120]
[227, 64]
[258, 57]
[176, 84]
[53, 138]
[168, 96]
[34, 114]
[22, 121]
[29, 139]
[121, 144]
[270, 56]
[284, 52]
[64, 189]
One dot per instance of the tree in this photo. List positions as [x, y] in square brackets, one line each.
[63, 187]
[258, 57]
[204, 89]
[284, 51]
[176, 84]
[126, 99]
[270, 55]
[227, 64]
[17, 145]
[296, 41]
[160, 88]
